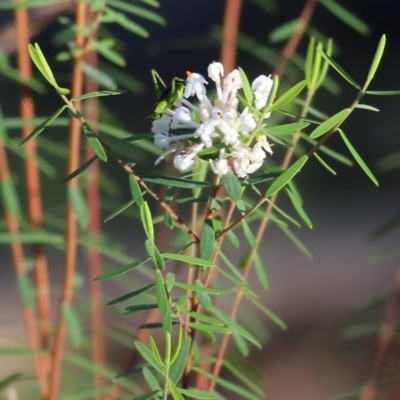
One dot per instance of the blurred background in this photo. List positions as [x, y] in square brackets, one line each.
[317, 297]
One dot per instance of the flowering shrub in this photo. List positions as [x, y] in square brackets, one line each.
[242, 145]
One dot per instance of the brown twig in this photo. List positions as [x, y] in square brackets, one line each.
[32, 177]
[71, 225]
[294, 40]
[229, 33]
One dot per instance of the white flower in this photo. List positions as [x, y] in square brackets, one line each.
[181, 119]
[195, 85]
[206, 132]
[263, 143]
[220, 167]
[161, 125]
[184, 162]
[215, 72]
[247, 122]
[246, 160]
[232, 83]
[261, 88]
[230, 135]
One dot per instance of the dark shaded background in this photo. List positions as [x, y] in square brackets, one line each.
[315, 297]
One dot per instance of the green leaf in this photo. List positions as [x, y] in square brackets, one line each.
[251, 240]
[133, 138]
[283, 31]
[177, 368]
[79, 206]
[346, 16]
[148, 396]
[188, 259]
[286, 128]
[10, 197]
[295, 240]
[198, 288]
[241, 344]
[235, 326]
[122, 270]
[98, 93]
[358, 158]
[9, 380]
[209, 328]
[41, 63]
[260, 271]
[324, 164]
[233, 239]
[135, 190]
[376, 61]
[283, 213]
[174, 390]
[155, 351]
[288, 96]
[122, 20]
[73, 324]
[330, 123]
[228, 385]
[148, 356]
[198, 394]
[43, 126]
[175, 182]
[155, 254]
[261, 178]
[366, 107]
[232, 186]
[248, 93]
[131, 294]
[150, 379]
[204, 298]
[286, 176]
[298, 207]
[383, 92]
[207, 240]
[26, 290]
[140, 307]
[340, 70]
[98, 76]
[79, 170]
[94, 142]
[147, 220]
[163, 303]
[119, 210]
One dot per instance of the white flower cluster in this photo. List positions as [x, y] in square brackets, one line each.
[217, 122]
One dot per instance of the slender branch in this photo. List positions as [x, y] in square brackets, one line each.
[32, 177]
[229, 33]
[71, 225]
[294, 40]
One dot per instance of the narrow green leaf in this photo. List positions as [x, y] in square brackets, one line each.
[175, 182]
[376, 61]
[177, 368]
[227, 385]
[198, 288]
[188, 259]
[154, 350]
[241, 344]
[204, 298]
[150, 379]
[324, 164]
[283, 214]
[286, 176]
[79, 206]
[298, 207]
[209, 328]
[366, 107]
[131, 294]
[140, 307]
[295, 240]
[288, 96]
[148, 356]
[358, 158]
[148, 396]
[98, 93]
[261, 178]
[133, 138]
[251, 240]
[346, 16]
[74, 328]
[233, 239]
[330, 123]
[63, 91]
[43, 126]
[260, 271]
[198, 394]
[163, 303]
[309, 65]
[207, 240]
[248, 93]
[122, 20]
[119, 210]
[383, 92]
[232, 186]
[94, 142]
[10, 197]
[178, 344]
[26, 290]
[135, 190]
[155, 254]
[174, 390]
[283, 31]
[286, 128]
[98, 76]
[147, 220]
[79, 170]
[122, 270]
[235, 326]
[9, 380]
[340, 70]
[41, 63]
